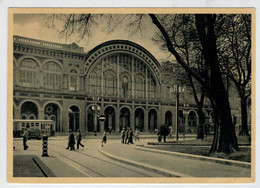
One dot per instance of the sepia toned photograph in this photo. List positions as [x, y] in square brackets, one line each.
[131, 95]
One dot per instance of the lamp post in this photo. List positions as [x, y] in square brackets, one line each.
[185, 113]
[96, 110]
[177, 90]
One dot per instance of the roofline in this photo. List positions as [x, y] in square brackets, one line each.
[118, 41]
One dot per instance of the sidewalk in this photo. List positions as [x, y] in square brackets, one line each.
[170, 165]
[30, 163]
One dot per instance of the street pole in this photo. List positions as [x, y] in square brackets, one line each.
[177, 113]
[95, 118]
[95, 113]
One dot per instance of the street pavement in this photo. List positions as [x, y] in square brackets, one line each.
[85, 162]
[90, 161]
[176, 164]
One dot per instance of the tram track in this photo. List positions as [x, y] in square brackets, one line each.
[124, 167]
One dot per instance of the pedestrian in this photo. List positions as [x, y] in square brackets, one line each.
[126, 135]
[123, 135]
[25, 138]
[79, 138]
[104, 138]
[71, 143]
[130, 137]
[136, 134]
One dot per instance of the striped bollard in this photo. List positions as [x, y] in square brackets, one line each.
[45, 146]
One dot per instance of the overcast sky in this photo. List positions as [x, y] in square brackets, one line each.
[33, 26]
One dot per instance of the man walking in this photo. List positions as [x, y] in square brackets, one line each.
[25, 138]
[79, 138]
[71, 143]
[126, 135]
[130, 137]
[104, 138]
[123, 135]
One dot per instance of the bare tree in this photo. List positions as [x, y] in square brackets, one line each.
[234, 51]
[227, 140]
[199, 41]
[181, 31]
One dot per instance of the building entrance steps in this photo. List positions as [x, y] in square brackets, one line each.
[170, 165]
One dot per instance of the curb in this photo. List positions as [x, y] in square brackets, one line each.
[161, 171]
[197, 157]
[183, 144]
[45, 170]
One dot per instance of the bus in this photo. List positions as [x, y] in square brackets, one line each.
[36, 128]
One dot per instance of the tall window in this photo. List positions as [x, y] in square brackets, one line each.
[73, 80]
[52, 76]
[153, 88]
[29, 73]
[125, 90]
[94, 83]
[139, 86]
[110, 83]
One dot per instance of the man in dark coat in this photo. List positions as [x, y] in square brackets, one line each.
[79, 138]
[130, 137]
[126, 135]
[123, 135]
[71, 143]
[25, 138]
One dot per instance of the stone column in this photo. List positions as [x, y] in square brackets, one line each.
[102, 128]
[133, 89]
[16, 77]
[145, 121]
[41, 114]
[17, 113]
[41, 80]
[117, 116]
[132, 120]
[117, 74]
[146, 84]
[82, 119]
[160, 116]
[102, 79]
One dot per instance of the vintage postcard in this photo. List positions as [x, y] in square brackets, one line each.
[124, 95]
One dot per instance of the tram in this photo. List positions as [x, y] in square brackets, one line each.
[35, 128]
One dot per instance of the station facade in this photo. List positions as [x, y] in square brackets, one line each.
[119, 79]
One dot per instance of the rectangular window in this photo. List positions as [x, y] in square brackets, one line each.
[73, 83]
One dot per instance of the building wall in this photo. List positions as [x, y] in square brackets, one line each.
[117, 78]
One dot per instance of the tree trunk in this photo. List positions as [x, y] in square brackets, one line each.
[227, 137]
[214, 145]
[244, 127]
[200, 133]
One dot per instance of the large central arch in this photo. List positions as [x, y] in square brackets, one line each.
[122, 68]
[123, 46]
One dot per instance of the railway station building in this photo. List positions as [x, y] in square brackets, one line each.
[119, 79]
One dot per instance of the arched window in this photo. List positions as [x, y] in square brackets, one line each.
[110, 83]
[29, 73]
[52, 76]
[139, 86]
[125, 85]
[94, 83]
[73, 80]
[125, 62]
[153, 88]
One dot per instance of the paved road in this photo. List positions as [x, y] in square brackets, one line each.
[88, 160]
